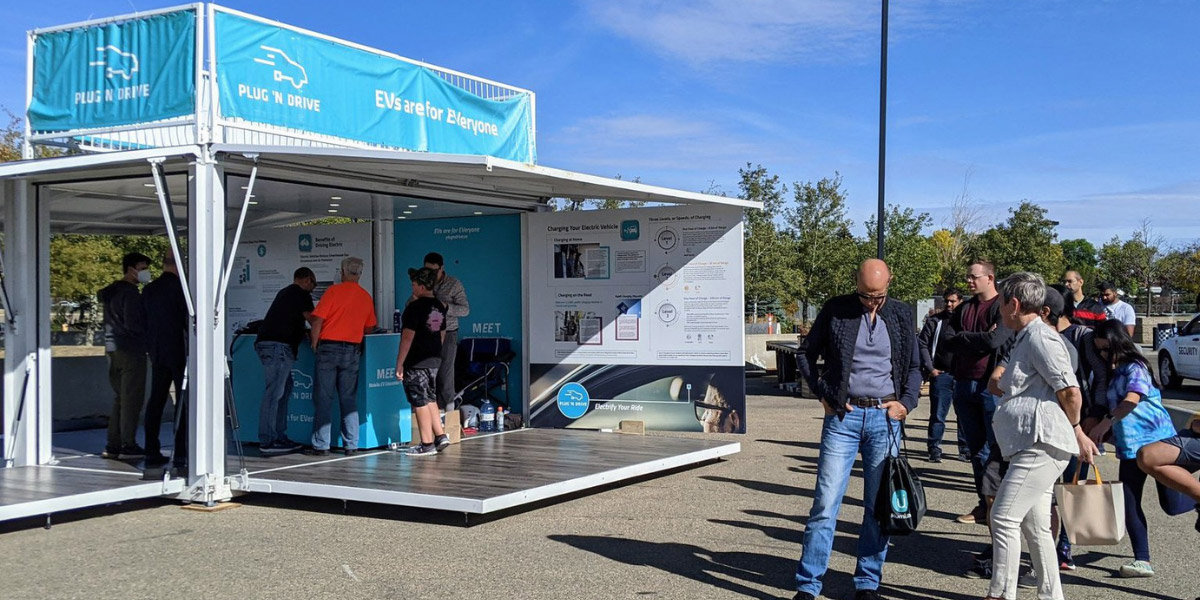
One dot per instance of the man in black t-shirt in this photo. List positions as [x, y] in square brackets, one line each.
[424, 328]
[279, 339]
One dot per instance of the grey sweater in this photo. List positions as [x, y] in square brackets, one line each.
[451, 293]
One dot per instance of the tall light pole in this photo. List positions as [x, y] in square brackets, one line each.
[879, 219]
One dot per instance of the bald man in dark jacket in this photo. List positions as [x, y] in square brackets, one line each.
[870, 380]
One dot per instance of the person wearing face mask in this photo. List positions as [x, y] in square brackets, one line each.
[278, 341]
[125, 348]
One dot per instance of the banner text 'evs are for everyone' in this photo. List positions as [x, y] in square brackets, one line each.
[383, 99]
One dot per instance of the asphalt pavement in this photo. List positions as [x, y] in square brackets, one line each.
[729, 529]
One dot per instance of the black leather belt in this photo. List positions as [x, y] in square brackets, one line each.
[869, 402]
[336, 343]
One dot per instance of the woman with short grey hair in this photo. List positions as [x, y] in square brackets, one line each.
[1037, 428]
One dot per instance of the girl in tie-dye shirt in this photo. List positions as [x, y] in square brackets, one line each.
[1136, 417]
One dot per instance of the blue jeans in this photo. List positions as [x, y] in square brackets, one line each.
[337, 378]
[975, 407]
[941, 396]
[862, 430]
[277, 360]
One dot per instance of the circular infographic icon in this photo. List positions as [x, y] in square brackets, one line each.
[667, 238]
[573, 400]
[667, 313]
[262, 250]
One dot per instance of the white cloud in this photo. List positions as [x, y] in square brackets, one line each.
[767, 31]
[687, 151]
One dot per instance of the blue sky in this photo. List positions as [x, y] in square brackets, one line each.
[1090, 109]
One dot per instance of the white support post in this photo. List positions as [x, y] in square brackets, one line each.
[41, 320]
[383, 258]
[227, 271]
[525, 320]
[22, 405]
[206, 364]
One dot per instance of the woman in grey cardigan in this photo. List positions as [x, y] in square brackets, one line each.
[1037, 429]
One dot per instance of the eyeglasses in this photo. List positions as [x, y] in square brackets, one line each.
[971, 277]
[870, 298]
[702, 407]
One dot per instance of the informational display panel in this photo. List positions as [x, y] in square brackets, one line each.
[637, 314]
[484, 253]
[266, 259]
[282, 77]
[123, 73]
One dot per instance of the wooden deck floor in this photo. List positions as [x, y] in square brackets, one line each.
[46, 489]
[484, 474]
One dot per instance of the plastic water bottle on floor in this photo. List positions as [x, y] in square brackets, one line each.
[487, 416]
[499, 418]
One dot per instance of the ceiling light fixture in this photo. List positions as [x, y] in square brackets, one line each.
[412, 205]
[398, 218]
[478, 212]
[408, 212]
[333, 210]
[335, 197]
[147, 185]
[334, 204]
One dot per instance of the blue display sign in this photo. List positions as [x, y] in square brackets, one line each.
[117, 74]
[281, 77]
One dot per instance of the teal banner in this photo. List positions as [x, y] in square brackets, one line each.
[280, 77]
[118, 74]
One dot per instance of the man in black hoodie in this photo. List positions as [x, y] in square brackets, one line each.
[125, 346]
[936, 364]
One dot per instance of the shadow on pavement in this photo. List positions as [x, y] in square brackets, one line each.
[731, 571]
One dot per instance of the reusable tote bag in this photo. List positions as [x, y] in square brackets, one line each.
[1093, 512]
[900, 501]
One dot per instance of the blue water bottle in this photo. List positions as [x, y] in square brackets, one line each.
[487, 416]
[396, 321]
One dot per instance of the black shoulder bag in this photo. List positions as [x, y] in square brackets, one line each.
[900, 502]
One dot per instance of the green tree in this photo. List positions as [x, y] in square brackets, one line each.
[765, 255]
[1080, 255]
[911, 256]
[1179, 270]
[1131, 265]
[1024, 242]
[824, 250]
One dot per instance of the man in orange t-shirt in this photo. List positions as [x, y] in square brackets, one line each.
[343, 315]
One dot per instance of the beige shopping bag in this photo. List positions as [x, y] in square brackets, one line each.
[1093, 512]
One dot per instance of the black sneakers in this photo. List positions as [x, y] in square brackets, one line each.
[441, 442]
[867, 595]
[804, 596]
[422, 450]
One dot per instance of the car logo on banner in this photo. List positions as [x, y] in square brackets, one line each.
[630, 230]
[573, 400]
[116, 62]
[284, 68]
